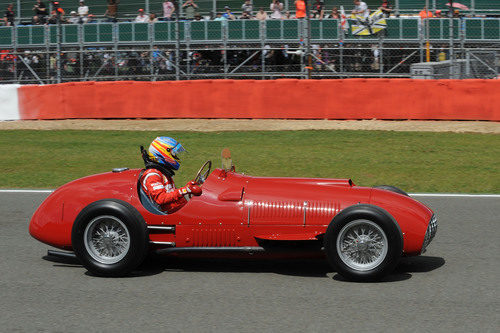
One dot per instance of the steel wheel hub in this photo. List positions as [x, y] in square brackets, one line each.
[362, 245]
[107, 239]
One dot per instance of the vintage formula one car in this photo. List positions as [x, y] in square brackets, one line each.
[111, 225]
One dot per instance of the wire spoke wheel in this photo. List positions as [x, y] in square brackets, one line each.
[106, 239]
[362, 245]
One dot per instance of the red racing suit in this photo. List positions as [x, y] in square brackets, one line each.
[161, 190]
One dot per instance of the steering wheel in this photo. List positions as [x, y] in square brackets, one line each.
[203, 173]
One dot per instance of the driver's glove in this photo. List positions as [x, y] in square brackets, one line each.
[190, 189]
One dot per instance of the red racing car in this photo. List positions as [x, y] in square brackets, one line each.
[111, 225]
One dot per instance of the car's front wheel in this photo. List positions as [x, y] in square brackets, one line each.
[110, 238]
[363, 243]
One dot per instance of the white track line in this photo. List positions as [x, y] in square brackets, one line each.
[26, 191]
[453, 195]
[446, 195]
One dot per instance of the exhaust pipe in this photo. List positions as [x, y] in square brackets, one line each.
[61, 254]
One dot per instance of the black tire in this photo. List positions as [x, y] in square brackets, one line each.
[128, 227]
[392, 189]
[373, 218]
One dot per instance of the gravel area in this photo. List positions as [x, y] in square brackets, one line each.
[215, 125]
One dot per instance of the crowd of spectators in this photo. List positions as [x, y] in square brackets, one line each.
[54, 13]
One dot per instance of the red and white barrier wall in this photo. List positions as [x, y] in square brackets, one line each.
[286, 98]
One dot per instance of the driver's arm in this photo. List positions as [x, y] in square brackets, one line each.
[156, 190]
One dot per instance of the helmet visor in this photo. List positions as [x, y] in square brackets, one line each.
[177, 150]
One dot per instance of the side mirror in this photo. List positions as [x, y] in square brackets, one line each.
[227, 162]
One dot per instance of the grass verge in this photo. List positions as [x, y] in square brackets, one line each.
[413, 161]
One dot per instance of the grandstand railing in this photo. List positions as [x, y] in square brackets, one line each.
[327, 30]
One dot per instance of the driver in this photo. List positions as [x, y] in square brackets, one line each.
[157, 182]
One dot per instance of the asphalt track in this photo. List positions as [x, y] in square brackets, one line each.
[454, 287]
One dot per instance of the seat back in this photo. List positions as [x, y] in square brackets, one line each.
[146, 202]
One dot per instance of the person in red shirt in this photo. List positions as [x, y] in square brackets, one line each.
[300, 6]
[161, 159]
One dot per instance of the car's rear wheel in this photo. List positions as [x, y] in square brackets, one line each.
[363, 243]
[110, 238]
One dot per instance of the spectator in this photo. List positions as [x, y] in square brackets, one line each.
[247, 7]
[287, 15]
[9, 15]
[361, 9]
[319, 7]
[438, 13]
[74, 19]
[142, 17]
[228, 15]
[57, 11]
[40, 10]
[36, 20]
[386, 8]
[190, 9]
[334, 14]
[424, 13]
[89, 19]
[82, 9]
[245, 16]
[198, 17]
[276, 8]
[456, 13]
[152, 18]
[261, 14]
[300, 9]
[112, 10]
[168, 10]
[219, 17]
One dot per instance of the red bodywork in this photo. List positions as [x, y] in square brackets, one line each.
[234, 210]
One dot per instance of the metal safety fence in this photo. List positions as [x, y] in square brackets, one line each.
[180, 50]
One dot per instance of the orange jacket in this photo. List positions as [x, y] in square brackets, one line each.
[425, 14]
[300, 7]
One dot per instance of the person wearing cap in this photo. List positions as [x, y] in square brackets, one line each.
[142, 17]
[248, 8]
[438, 13]
[74, 19]
[82, 9]
[190, 9]
[228, 15]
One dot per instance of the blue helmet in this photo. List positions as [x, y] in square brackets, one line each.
[166, 151]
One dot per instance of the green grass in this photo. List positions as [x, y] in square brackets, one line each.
[413, 161]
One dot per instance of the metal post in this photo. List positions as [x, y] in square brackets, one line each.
[187, 38]
[473, 7]
[262, 27]
[308, 39]
[214, 9]
[177, 41]
[18, 8]
[15, 55]
[381, 54]
[147, 7]
[224, 41]
[58, 47]
[151, 47]
[80, 56]
[427, 44]
[396, 9]
[451, 52]
[115, 47]
[341, 49]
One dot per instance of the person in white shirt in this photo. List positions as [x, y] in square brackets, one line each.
[73, 19]
[276, 8]
[141, 18]
[82, 9]
[360, 8]
[168, 10]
